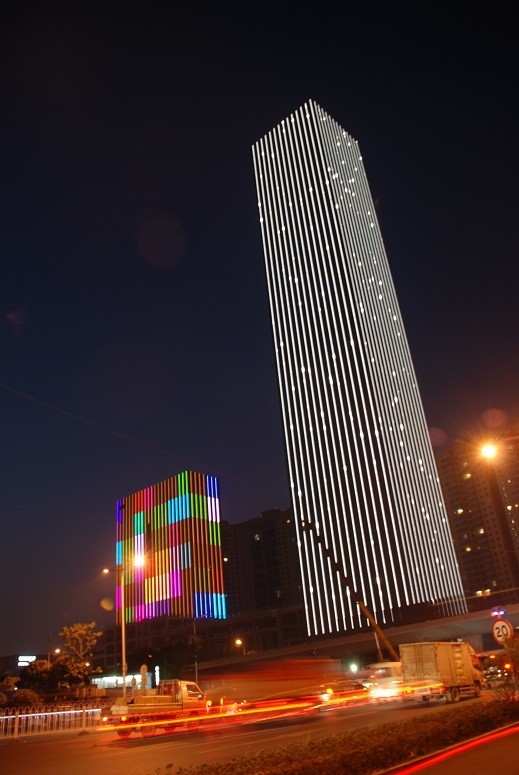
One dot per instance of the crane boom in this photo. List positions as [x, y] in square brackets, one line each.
[309, 526]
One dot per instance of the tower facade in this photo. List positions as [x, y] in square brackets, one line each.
[370, 517]
[168, 550]
[480, 482]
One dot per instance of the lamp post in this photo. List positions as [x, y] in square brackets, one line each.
[238, 642]
[49, 655]
[123, 626]
[138, 562]
[498, 463]
[124, 666]
[194, 647]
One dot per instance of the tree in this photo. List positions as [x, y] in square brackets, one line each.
[8, 684]
[512, 653]
[511, 668]
[36, 676]
[76, 657]
[25, 698]
[7, 688]
[175, 658]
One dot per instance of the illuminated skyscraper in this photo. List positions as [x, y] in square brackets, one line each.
[365, 489]
[168, 551]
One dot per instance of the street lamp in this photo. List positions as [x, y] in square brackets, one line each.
[138, 562]
[489, 451]
[56, 651]
[123, 626]
[498, 465]
[238, 642]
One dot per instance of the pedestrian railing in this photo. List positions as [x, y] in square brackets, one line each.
[24, 722]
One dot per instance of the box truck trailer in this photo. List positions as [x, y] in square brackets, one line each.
[440, 669]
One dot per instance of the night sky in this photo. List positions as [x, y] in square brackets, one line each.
[134, 324]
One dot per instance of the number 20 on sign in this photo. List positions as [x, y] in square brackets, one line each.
[501, 630]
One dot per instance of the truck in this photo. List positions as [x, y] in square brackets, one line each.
[440, 669]
[173, 703]
[384, 680]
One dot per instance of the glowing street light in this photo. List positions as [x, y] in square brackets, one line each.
[239, 643]
[499, 458]
[138, 562]
[56, 651]
[124, 667]
[489, 451]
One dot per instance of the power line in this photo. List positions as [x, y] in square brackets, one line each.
[93, 423]
[119, 435]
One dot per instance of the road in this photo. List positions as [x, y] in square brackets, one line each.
[486, 754]
[105, 754]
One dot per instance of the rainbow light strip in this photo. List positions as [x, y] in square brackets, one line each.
[173, 529]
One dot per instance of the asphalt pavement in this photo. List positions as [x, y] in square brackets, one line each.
[497, 750]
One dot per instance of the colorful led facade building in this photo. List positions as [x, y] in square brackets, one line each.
[365, 489]
[168, 552]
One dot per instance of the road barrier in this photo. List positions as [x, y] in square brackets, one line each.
[25, 722]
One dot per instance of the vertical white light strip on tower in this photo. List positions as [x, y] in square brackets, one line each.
[381, 528]
[430, 531]
[360, 462]
[332, 310]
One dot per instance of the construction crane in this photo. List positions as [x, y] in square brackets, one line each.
[379, 634]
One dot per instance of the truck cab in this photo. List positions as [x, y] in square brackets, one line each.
[187, 692]
[384, 681]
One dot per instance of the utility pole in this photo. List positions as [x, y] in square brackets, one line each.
[124, 666]
[379, 634]
[194, 646]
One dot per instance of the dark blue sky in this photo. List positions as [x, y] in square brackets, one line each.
[134, 328]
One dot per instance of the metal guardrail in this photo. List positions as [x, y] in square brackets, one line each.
[25, 722]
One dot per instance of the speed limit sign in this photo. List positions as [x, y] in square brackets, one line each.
[501, 630]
